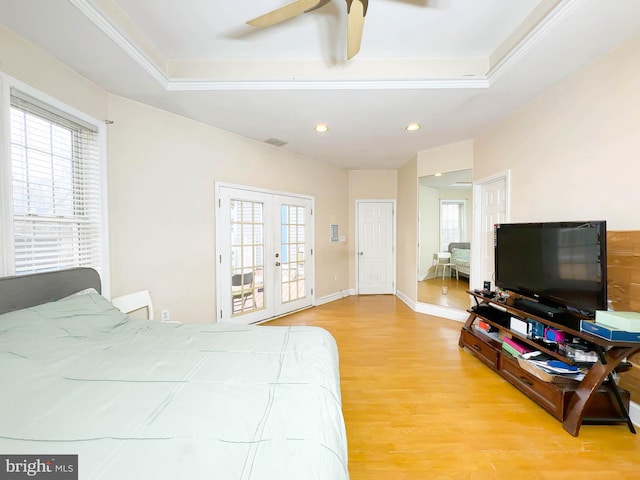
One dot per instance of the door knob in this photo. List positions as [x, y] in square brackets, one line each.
[277, 264]
[361, 253]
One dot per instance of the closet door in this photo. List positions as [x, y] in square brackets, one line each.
[264, 252]
[376, 247]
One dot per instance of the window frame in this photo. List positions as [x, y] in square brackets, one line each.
[463, 221]
[7, 261]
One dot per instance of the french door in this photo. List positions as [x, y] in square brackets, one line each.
[264, 254]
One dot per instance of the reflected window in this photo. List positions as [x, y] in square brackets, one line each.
[452, 223]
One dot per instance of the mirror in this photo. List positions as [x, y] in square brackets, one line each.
[445, 218]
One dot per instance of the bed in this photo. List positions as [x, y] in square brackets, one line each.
[461, 257]
[138, 399]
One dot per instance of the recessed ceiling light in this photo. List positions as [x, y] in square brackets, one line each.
[412, 127]
[438, 175]
[321, 128]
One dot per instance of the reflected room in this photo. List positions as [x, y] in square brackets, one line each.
[445, 218]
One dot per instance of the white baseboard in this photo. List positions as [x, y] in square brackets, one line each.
[444, 312]
[332, 297]
[435, 310]
[407, 300]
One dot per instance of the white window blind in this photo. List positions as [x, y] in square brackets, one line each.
[452, 222]
[55, 164]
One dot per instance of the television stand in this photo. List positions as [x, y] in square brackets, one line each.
[596, 399]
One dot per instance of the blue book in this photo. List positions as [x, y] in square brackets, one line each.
[608, 333]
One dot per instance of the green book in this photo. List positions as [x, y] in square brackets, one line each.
[508, 348]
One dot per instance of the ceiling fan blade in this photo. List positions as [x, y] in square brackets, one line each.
[356, 11]
[284, 13]
[321, 3]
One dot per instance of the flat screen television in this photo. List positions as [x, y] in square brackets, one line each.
[562, 265]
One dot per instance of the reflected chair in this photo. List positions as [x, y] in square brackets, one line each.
[443, 259]
[242, 290]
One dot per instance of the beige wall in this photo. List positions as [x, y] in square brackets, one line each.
[448, 158]
[26, 63]
[366, 185]
[574, 153]
[161, 174]
[407, 221]
[162, 209]
[429, 228]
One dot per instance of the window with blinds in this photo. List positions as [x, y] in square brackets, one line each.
[55, 165]
[452, 223]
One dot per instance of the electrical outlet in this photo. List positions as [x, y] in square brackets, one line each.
[164, 315]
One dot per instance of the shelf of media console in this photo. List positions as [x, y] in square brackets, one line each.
[536, 345]
[511, 311]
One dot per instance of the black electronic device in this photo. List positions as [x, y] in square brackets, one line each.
[561, 265]
[501, 317]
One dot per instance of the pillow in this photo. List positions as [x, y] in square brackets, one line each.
[90, 307]
[460, 255]
[81, 292]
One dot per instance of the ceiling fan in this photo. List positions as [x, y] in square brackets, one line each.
[356, 11]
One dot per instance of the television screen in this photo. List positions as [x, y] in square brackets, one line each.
[560, 264]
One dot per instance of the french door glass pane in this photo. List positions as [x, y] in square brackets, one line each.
[292, 251]
[247, 256]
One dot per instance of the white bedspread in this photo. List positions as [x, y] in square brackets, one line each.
[148, 400]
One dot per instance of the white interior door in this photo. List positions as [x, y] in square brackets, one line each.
[493, 204]
[265, 254]
[376, 247]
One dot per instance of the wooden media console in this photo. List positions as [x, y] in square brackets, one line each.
[596, 399]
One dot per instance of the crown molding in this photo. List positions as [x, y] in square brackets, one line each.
[544, 27]
[433, 83]
[109, 27]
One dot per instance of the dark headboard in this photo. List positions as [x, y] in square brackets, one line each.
[461, 245]
[23, 291]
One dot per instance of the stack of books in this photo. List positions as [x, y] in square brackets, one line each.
[614, 326]
[514, 347]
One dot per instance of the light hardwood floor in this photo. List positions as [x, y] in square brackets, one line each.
[430, 291]
[416, 406]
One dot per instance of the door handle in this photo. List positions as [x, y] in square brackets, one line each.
[361, 253]
[277, 264]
